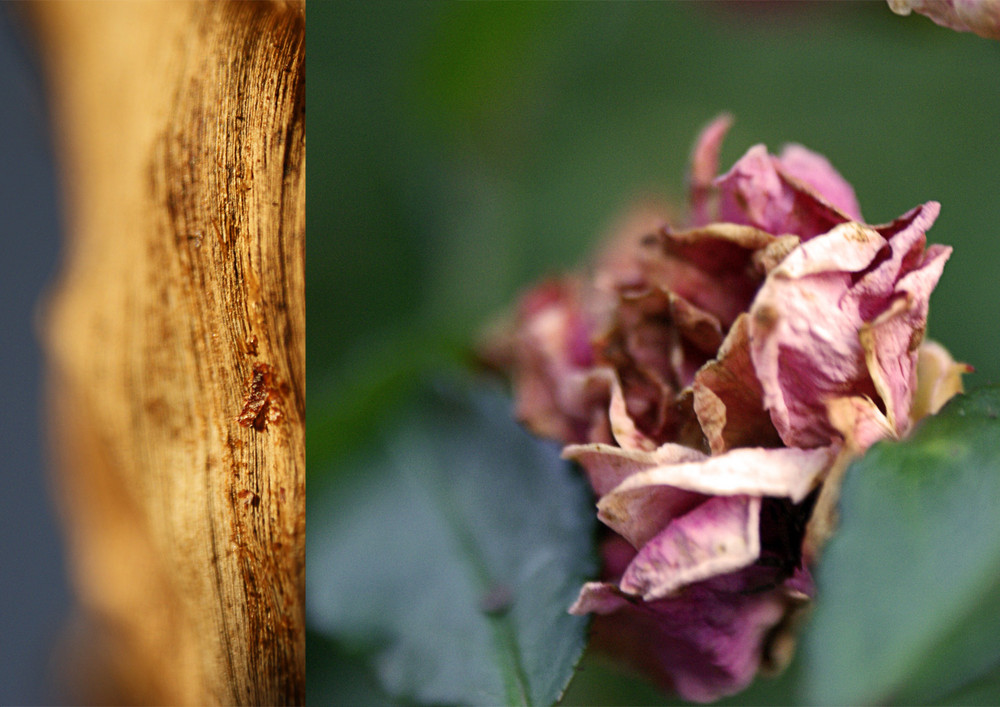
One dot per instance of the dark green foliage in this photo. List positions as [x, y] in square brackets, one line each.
[452, 560]
[909, 588]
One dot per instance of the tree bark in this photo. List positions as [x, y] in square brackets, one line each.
[175, 337]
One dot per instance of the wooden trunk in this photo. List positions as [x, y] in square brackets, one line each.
[175, 336]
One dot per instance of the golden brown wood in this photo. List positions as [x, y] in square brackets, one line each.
[176, 350]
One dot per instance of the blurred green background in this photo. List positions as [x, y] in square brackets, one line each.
[458, 151]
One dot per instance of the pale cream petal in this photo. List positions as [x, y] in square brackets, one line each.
[786, 472]
[598, 598]
[939, 377]
[607, 465]
[859, 421]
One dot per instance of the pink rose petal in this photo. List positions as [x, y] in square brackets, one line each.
[719, 536]
[647, 500]
[704, 167]
[981, 17]
[892, 339]
[815, 329]
[756, 191]
[704, 643]
[815, 170]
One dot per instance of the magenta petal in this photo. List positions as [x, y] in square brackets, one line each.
[816, 171]
[804, 333]
[843, 315]
[911, 228]
[638, 516]
[759, 191]
[979, 16]
[704, 167]
[704, 643]
[753, 193]
[804, 359]
[801, 582]
[717, 537]
[906, 237]
[892, 340]
[551, 359]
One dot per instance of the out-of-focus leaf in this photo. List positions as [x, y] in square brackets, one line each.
[984, 691]
[909, 588]
[455, 557]
[337, 677]
[344, 410]
[601, 681]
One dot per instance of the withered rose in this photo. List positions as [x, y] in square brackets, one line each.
[713, 381]
[979, 16]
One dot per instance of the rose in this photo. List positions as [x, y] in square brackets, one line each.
[659, 303]
[709, 381]
[979, 16]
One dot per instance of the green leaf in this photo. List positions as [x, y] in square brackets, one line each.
[338, 677]
[908, 606]
[454, 557]
[983, 691]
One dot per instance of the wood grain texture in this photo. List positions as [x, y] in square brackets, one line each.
[176, 350]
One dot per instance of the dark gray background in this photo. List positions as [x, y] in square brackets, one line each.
[33, 594]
